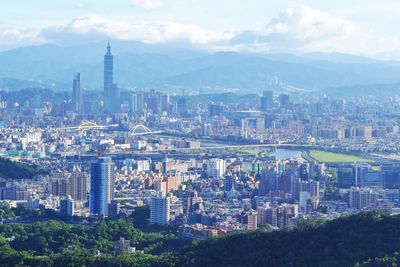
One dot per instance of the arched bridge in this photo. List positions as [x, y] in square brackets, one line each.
[88, 125]
[141, 130]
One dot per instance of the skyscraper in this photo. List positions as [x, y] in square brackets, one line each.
[111, 90]
[181, 106]
[164, 103]
[152, 102]
[101, 186]
[77, 93]
[159, 210]
[137, 102]
[267, 101]
[284, 101]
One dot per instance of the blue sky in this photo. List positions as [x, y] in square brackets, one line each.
[352, 26]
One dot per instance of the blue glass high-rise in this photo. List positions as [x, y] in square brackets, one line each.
[101, 186]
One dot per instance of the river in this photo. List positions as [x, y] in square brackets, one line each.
[286, 153]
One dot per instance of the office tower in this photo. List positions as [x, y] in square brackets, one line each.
[101, 186]
[111, 90]
[391, 175]
[78, 185]
[284, 101]
[215, 110]
[77, 93]
[115, 99]
[164, 102]
[67, 206]
[345, 176]
[372, 178]
[285, 182]
[267, 101]
[269, 182]
[159, 210]
[152, 102]
[360, 170]
[137, 103]
[181, 106]
[108, 76]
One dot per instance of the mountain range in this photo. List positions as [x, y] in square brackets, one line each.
[142, 66]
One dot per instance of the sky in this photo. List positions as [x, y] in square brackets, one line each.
[365, 27]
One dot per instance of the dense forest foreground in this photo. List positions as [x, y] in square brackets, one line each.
[366, 239]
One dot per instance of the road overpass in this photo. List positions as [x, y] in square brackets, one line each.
[210, 148]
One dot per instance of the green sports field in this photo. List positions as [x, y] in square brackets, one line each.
[324, 156]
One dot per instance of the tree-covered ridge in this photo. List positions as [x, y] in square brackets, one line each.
[342, 242]
[360, 240]
[44, 238]
[17, 170]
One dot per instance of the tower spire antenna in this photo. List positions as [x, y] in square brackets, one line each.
[108, 47]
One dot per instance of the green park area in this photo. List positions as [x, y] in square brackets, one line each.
[324, 156]
[250, 151]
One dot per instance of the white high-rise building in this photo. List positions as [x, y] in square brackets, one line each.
[304, 197]
[216, 168]
[160, 210]
[137, 102]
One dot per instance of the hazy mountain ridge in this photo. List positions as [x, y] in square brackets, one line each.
[363, 90]
[145, 66]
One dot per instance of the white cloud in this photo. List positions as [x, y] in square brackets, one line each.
[147, 4]
[307, 29]
[93, 27]
[300, 29]
[304, 25]
[11, 38]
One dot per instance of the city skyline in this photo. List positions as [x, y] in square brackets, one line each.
[199, 133]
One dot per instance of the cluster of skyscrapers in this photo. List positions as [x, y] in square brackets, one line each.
[112, 95]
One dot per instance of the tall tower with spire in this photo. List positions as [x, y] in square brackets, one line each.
[109, 86]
